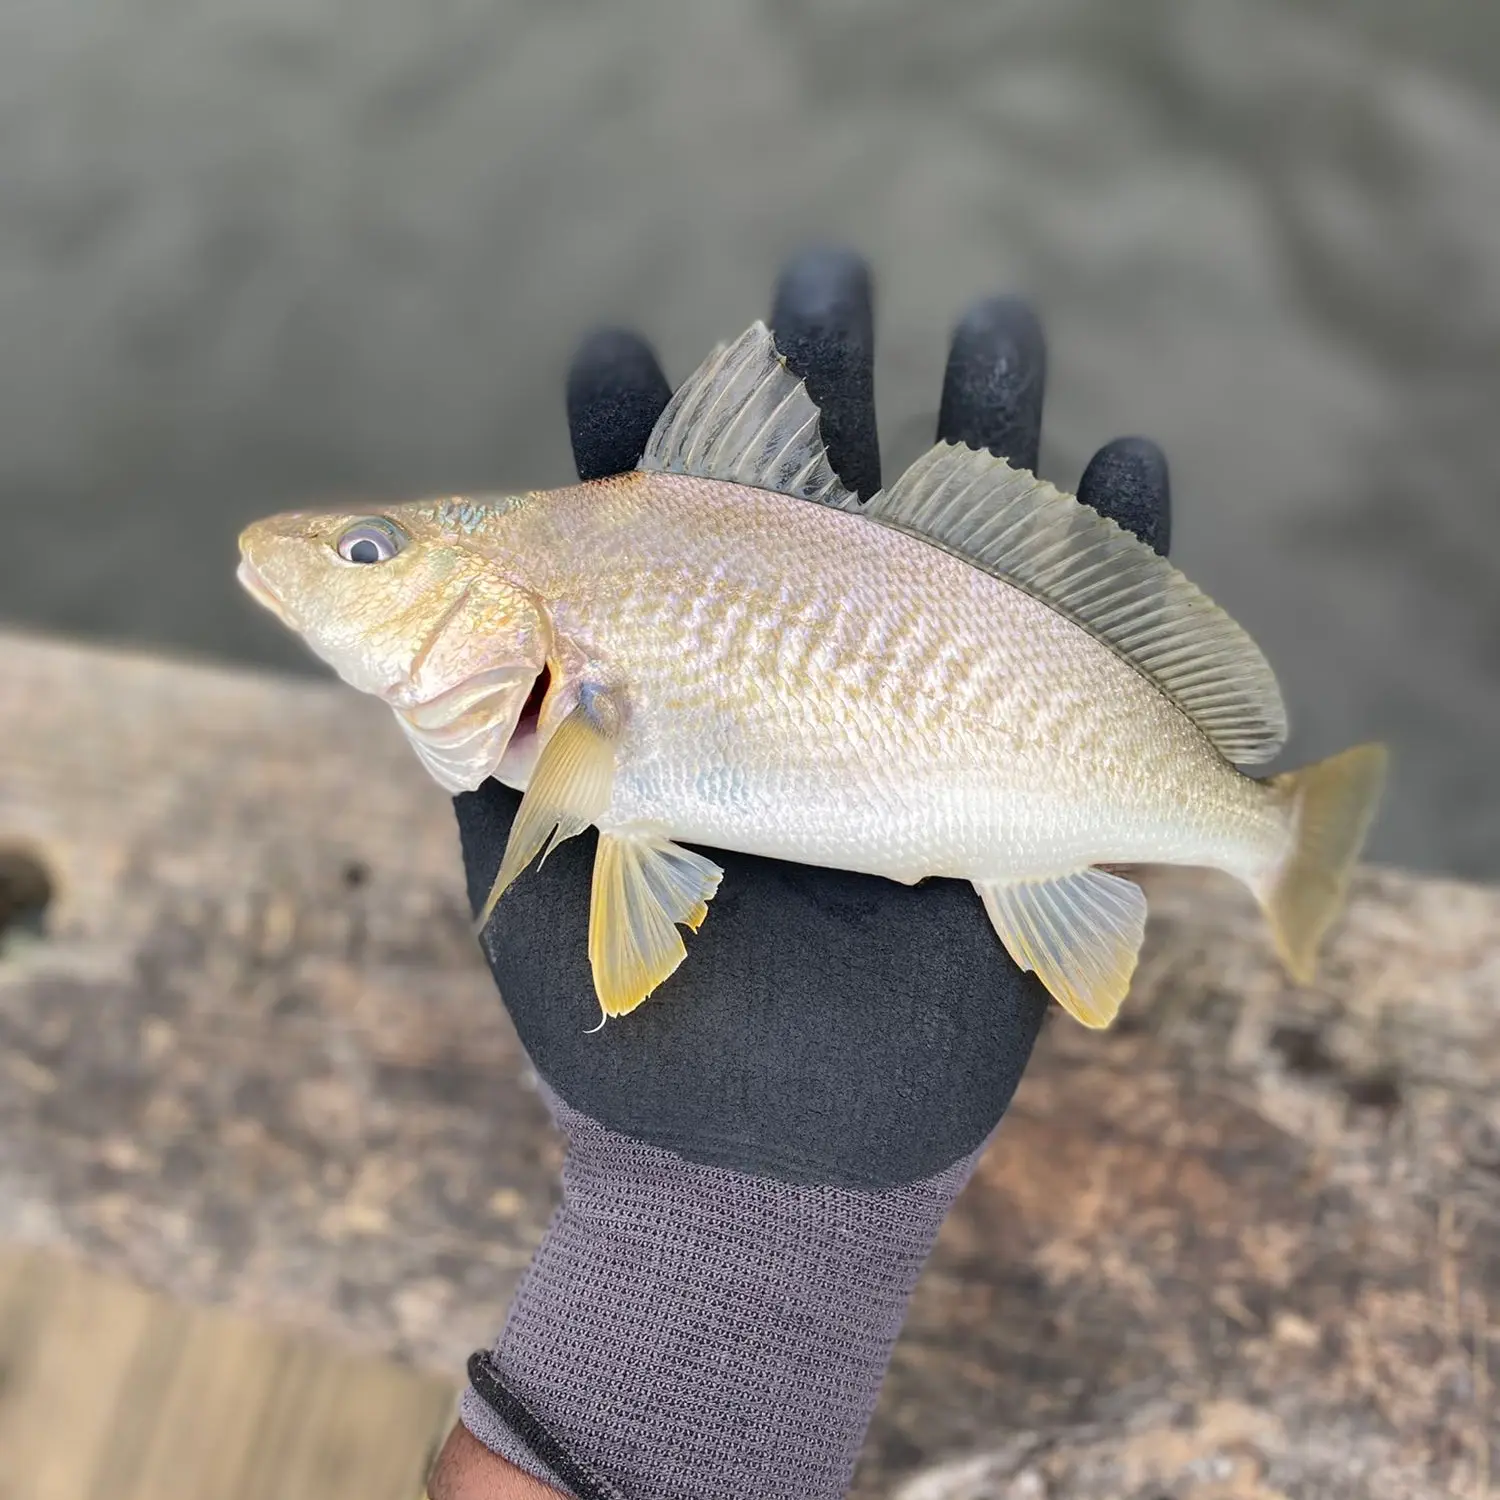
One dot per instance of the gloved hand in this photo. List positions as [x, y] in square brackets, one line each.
[760, 1158]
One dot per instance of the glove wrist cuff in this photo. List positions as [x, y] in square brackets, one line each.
[691, 1330]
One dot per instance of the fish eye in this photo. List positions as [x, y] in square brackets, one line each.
[373, 540]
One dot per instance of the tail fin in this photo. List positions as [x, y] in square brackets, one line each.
[1332, 805]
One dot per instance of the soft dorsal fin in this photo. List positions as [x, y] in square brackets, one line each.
[1096, 573]
[743, 417]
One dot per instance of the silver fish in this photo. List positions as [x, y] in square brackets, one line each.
[972, 675]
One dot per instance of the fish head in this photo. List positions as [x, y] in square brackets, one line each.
[403, 610]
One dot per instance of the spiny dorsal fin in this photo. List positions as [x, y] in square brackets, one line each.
[1086, 567]
[743, 417]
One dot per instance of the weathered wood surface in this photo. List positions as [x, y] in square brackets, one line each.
[114, 1393]
[1245, 1245]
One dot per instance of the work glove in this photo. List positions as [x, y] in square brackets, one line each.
[759, 1158]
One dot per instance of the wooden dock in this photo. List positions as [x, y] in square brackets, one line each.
[113, 1391]
[1244, 1246]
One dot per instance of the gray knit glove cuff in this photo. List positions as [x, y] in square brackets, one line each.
[690, 1331]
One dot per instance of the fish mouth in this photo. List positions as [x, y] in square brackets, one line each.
[255, 586]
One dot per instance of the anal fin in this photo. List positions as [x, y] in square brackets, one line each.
[1080, 934]
[644, 885]
[569, 788]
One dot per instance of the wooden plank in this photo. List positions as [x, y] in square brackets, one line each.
[114, 1391]
[1247, 1243]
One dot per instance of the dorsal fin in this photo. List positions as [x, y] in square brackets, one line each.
[743, 417]
[1091, 570]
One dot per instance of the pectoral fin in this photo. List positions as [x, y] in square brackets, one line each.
[1080, 934]
[569, 788]
[643, 886]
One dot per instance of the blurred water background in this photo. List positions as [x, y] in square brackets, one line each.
[255, 253]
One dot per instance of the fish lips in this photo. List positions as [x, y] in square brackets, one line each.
[461, 733]
[255, 586]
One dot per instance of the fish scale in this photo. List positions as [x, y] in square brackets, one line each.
[972, 675]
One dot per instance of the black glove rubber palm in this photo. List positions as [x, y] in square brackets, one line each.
[825, 1027]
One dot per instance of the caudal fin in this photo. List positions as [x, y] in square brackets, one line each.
[1332, 804]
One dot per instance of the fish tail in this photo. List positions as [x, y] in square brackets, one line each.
[1330, 806]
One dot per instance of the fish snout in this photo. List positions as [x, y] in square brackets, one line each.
[254, 585]
[276, 557]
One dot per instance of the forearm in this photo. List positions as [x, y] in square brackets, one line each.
[467, 1470]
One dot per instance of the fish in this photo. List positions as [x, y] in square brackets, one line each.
[971, 675]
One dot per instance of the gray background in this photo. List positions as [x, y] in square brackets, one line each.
[263, 252]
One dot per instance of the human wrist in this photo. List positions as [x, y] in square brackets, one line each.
[692, 1330]
[466, 1470]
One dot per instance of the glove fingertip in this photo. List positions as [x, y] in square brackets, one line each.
[822, 314]
[616, 391]
[1128, 481]
[995, 381]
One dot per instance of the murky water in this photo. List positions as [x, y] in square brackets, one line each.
[252, 253]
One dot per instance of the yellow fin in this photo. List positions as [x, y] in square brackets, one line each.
[1333, 803]
[643, 886]
[1079, 934]
[569, 788]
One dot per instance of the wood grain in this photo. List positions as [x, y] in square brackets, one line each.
[114, 1392]
[1246, 1244]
